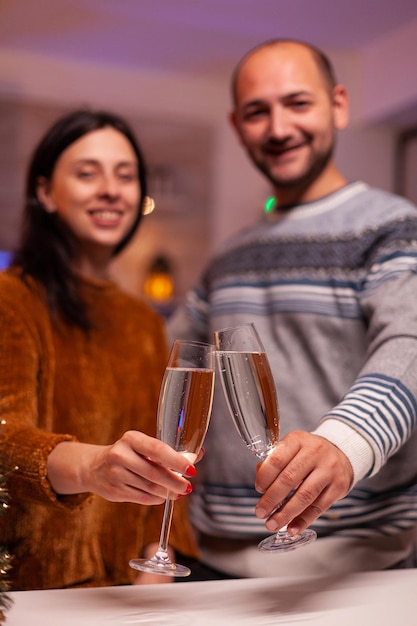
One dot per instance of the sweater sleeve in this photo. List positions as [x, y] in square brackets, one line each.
[26, 397]
[379, 412]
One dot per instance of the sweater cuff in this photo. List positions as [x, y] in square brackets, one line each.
[349, 441]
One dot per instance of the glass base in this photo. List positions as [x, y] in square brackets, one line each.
[150, 618]
[284, 542]
[160, 566]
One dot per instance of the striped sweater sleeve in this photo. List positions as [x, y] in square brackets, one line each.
[378, 413]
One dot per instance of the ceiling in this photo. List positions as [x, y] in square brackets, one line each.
[191, 36]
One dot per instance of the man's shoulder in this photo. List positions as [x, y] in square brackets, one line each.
[381, 198]
[373, 208]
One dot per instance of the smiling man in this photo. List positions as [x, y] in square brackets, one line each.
[330, 280]
[287, 109]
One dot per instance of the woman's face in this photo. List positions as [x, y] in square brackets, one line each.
[95, 189]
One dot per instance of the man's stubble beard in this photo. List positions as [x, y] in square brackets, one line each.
[299, 182]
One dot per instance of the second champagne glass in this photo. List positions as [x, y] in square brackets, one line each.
[184, 412]
[251, 397]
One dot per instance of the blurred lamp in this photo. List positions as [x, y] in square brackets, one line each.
[159, 282]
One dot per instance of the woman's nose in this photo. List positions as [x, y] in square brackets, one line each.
[109, 186]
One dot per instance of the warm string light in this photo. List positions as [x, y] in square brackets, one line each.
[148, 205]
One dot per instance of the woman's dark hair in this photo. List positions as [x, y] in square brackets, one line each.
[47, 248]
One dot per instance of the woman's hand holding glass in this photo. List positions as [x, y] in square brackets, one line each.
[133, 469]
[184, 410]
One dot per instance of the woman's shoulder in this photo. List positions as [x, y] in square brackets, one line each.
[138, 302]
[124, 298]
[19, 294]
[13, 281]
[107, 300]
[138, 307]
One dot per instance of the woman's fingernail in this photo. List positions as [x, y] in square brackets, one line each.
[188, 490]
[190, 471]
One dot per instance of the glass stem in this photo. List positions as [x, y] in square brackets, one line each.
[282, 535]
[162, 552]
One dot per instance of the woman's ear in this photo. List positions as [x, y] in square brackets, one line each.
[44, 194]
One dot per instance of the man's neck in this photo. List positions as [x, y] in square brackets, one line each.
[323, 186]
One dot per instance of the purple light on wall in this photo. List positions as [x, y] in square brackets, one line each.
[5, 258]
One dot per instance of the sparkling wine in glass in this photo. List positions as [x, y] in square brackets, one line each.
[251, 397]
[184, 410]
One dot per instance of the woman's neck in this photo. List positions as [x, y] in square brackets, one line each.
[95, 266]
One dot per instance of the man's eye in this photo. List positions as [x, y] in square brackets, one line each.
[300, 104]
[255, 113]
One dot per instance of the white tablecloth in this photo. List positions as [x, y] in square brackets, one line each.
[368, 599]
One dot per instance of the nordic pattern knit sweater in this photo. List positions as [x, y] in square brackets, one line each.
[59, 383]
[331, 286]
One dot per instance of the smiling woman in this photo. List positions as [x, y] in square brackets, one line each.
[81, 364]
[88, 163]
[95, 192]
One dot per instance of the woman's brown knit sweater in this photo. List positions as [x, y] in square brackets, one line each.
[59, 383]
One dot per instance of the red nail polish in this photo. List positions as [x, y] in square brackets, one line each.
[188, 490]
[190, 471]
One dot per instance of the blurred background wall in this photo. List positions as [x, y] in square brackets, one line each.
[165, 65]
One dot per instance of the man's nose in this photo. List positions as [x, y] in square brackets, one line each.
[279, 123]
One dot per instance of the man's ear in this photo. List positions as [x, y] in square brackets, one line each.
[44, 194]
[232, 119]
[340, 107]
[235, 124]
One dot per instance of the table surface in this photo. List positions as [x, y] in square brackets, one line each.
[373, 599]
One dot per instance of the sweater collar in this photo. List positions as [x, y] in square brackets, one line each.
[321, 205]
[95, 285]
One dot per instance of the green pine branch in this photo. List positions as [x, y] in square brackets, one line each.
[5, 557]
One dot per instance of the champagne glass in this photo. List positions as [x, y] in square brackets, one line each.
[184, 410]
[251, 397]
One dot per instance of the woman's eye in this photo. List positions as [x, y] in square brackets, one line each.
[128, 176]
[85, 174]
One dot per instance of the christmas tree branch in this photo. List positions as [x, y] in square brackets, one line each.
[5, 557]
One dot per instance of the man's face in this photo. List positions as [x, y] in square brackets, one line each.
[286, 116]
